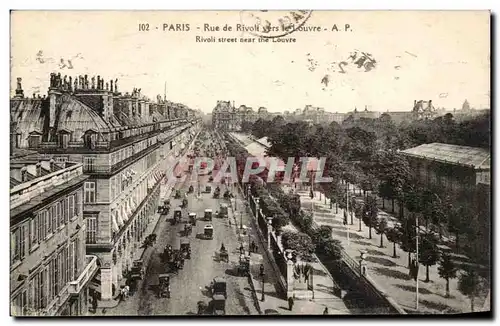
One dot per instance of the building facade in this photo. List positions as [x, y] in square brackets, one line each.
[449, 167]
[49, 269]
[123, 142]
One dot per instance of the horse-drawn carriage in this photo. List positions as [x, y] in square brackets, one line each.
[224, 254]
[133, 282]
[192, 218]
[217, 192]
[228, 194]
[223, 212]
[185, 248]
[208, 215]
[164, 286]
[177, 215]
[208, 231]
[244, 265]
[165, 208]
[177, 194]
[175, 261]
[188, 229]
[184, 203]
[137, 268]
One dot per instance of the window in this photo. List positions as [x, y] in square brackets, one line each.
[89, 192]
[55, 218]
[34, 231]
[55, 276]
[91, 229]
[20, 303]
[89, 140]
[43, 291]
[49, 220]
[60, 213]
[113, 187]
[61, 159]
[71, 206]
[18, 242]
[42, 225]
[64, 140]
[89, 164]
[34, 140]
[72, 258]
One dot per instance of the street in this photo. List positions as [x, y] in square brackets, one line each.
[188, 287]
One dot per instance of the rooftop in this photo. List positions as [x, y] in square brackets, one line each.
[31, 178]
[478, 158]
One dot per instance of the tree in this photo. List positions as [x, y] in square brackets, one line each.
[447, 270]
[428, 252]
[408, 236]
[370, 214]
[470, 284]
[381, 228]
[332, 248]
[394, 236]
[301, 243]
[457, 222]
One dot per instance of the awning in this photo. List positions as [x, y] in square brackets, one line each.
[114, 224]
[119, 217]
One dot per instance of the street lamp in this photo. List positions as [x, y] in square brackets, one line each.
[262, 275]
[241, 220]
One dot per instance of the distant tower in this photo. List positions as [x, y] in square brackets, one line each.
[466, 106]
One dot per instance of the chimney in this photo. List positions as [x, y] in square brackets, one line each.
[38, 169]
[19, 88]
[54, 93]
[24, 170]
[414, 102]
[52, 164]
[430, 103]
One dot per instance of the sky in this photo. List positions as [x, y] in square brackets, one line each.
[442, 56]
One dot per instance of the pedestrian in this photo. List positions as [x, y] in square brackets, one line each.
[325, 312]
[127, 290]
[229, 221]
[290, 303]
[253, 246]
[261, 269]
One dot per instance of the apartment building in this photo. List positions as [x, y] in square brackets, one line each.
[122, 142]
[49, 269]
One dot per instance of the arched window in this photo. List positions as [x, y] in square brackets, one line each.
[90, 138]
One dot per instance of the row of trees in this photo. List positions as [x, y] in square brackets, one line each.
[285, 208]
[364, 152]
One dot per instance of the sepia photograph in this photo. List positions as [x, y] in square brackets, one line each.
[250, 162]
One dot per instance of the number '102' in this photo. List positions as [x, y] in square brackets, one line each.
[143, 27]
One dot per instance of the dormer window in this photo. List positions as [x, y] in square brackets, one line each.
[89, 139]
[64, 137]
[34, 139]
[24, 174]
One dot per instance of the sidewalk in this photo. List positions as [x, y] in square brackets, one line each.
[115, 307]
[276, 301]
[390, 274]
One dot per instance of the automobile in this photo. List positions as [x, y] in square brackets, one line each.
[208, 231]
[208, 214]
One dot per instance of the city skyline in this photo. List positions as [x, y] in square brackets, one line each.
[275, 75]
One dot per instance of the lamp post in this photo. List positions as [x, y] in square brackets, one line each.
[262, 275]
[241, 220]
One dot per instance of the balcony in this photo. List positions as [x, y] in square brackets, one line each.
[76, 286]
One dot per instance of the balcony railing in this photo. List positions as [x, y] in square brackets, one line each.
[76, 286]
